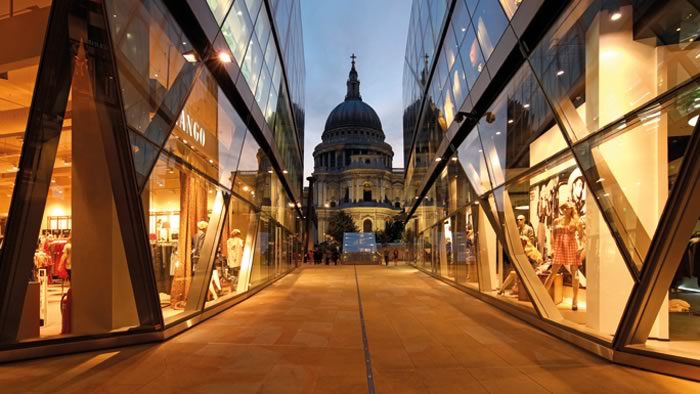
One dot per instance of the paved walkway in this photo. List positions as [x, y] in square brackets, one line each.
[304, 335]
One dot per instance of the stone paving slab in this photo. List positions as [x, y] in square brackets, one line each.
[303, 334]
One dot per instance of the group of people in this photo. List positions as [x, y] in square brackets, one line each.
[328, 254]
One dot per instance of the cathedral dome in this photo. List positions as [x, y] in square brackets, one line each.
[353, 113]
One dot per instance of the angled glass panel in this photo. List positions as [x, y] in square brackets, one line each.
[635, 163]
[489, 24]
[601, 62]
[19, 63]
[237, 30]
[471, 158]
[80, 282]
[472, 57]
[178, 203]
[519, 130]
[573, 252]
[157, 65]
[209, 133]
[219, 8]
[253, 173]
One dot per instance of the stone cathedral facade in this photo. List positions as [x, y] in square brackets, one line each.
[353, 166]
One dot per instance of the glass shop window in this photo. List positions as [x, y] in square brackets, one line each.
[568, 246]
[17, 80]
[179, 204]
[234, 255]
[80, 282]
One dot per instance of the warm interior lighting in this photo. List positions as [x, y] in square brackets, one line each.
[225, 57]
[510, 121]
[285, 172]
[526, 105]
[522, 208]
[438, 159]
[560, 73]
[615, 16]
[454, 159]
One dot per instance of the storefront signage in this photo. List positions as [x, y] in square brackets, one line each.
[192, 128]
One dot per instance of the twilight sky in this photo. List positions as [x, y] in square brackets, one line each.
[375, 30]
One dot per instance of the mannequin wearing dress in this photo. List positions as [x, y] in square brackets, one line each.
[566, 230]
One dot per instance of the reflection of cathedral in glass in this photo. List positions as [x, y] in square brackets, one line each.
[352, 165]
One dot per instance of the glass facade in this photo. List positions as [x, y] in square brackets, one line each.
[558, 195]
[138, 189]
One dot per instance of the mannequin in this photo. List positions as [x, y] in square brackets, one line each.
[534, 257]
[566, 232]
[234, 252]
[198, 243]
[525, 230]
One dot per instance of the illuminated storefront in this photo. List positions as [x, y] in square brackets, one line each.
[552, 164]
[150, 165]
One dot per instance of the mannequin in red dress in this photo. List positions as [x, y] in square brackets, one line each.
[566, 232]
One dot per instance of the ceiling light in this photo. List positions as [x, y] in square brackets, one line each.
[438, 159]
[190, 56]
[522, 207]
[454, 159]
[498, 132]
[285, 172]
[269, 171]
[560, 73]
[526, 105]
[678, 29]
[464, 29]
[615, 16]
[510, 121]
[224, 57]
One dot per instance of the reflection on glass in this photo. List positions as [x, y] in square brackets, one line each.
[489, 24]
[519, 130]
[596, 67]
[635, 164]
[154, 75]
[471, 157]
[219, 8]
[472, 59]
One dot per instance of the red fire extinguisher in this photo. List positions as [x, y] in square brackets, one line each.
[66, 311]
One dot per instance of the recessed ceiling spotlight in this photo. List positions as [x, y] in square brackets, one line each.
[615, 16]
[190, 56]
